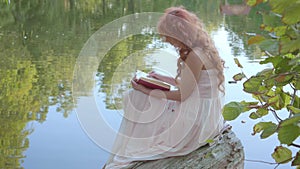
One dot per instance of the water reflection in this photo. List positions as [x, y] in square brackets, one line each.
[235, 9]
[40, 42]
[119, 64]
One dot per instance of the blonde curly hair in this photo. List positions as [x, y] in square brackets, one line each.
[185, 27]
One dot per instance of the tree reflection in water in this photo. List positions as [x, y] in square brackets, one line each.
[40, 42]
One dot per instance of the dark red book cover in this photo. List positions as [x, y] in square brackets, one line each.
[151, 82]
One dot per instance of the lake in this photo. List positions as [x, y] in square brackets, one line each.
[66, 63]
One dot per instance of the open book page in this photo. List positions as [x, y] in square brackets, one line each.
[142, 78]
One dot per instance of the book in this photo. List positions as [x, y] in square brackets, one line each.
[149, 82]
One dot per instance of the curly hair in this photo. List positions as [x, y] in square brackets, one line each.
[184, 26]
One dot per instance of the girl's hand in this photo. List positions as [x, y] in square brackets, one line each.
[139, 87]
[134, 84]
[154, 75]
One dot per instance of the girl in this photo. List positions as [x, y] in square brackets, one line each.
[159, 124]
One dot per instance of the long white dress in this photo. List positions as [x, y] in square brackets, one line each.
[155, 128]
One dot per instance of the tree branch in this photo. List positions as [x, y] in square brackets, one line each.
[295, 29]
[295, 145]
[293, 99]
[260, 161]
[268, 53]
[275, 115]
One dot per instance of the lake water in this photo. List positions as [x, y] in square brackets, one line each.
[64, 66]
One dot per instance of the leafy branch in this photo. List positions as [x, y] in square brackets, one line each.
[274, 89]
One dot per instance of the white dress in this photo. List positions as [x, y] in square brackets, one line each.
[155, 128]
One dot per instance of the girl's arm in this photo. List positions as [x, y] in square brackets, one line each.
[163, 78]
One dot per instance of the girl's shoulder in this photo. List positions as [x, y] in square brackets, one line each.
[198, 53]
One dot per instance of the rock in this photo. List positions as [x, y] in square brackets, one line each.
[226, 152]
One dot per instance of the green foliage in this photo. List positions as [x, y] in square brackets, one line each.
[35, 72]
[288, 133]
[296, 161]
[282, 154]
[41, 39]
[232, 110]
[239, 76]
[260, 112]
[267, 129]
[277, 88]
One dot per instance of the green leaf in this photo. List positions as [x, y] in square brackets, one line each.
[285, 99]
[283, 79]
[254, 2]
[287, 45]
[274, 102]
[296, 102]
[283, 66]
[280, 30]
[278, 99]
[279, 6]
[293, 109]
[248, 105]
[232, 110]
[295, 61]
[296, 160]
[269, 94]
[269, 83]
[274, 60]
[267, 128]
[239, 76]
[253, 115]
[254, 85]
[271, 20]
[291, 120]
[270, 45]
[288, 133]
[265, 73]
[251, 2]
[282, 154]
[291, 14]
[259, 113]
[296, 83]
[268, 131]
[237, 62]
[255, 39]
[209, 141]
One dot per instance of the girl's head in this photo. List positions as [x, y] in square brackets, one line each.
[185, 31]
[181, 28]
